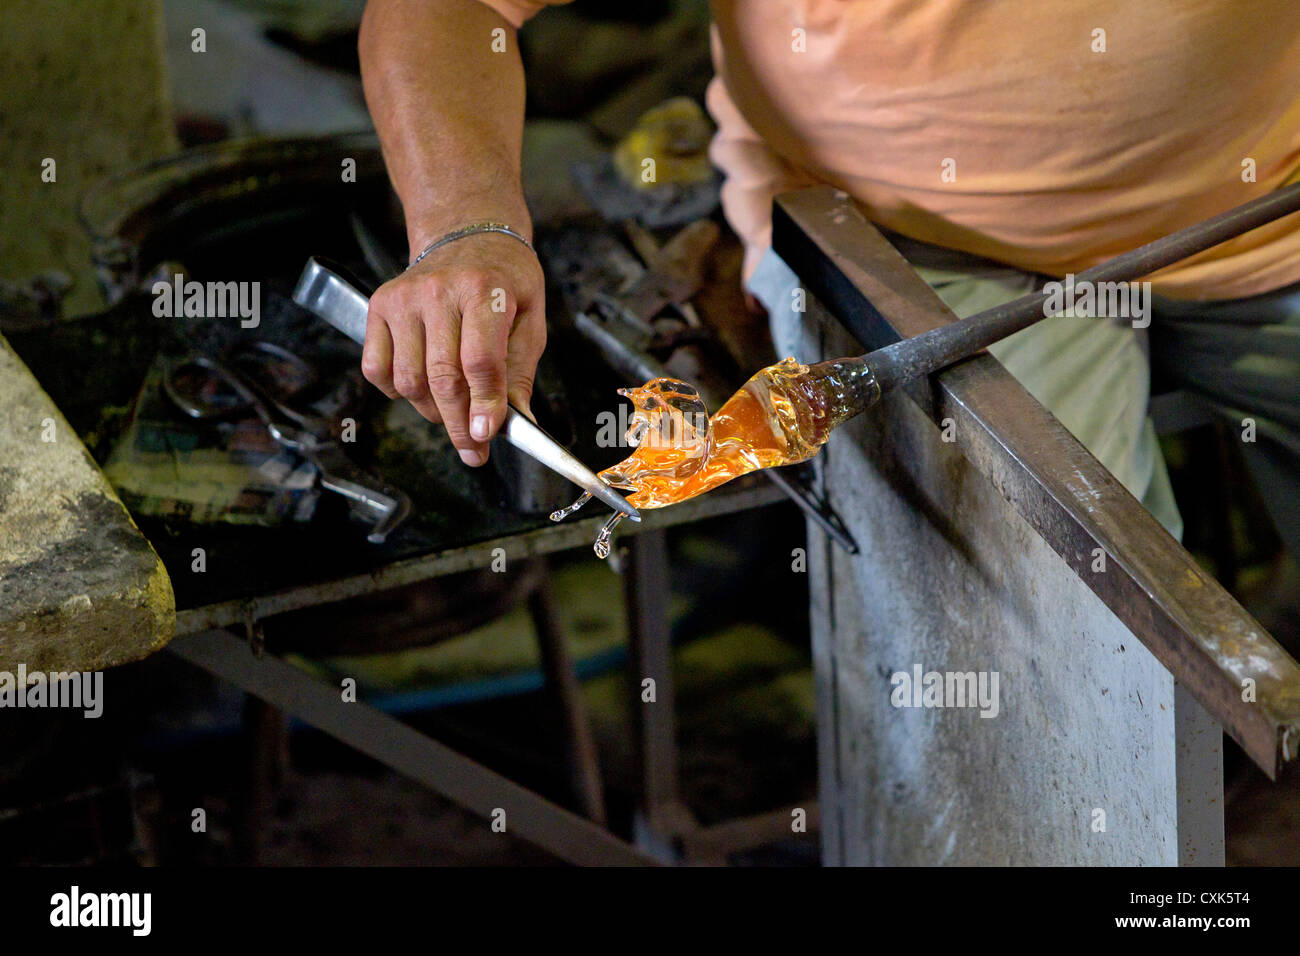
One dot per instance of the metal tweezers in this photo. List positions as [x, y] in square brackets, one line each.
[322, 290]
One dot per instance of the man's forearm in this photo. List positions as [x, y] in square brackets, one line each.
[449, 112]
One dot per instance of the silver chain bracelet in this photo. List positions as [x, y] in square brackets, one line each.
[474, 228]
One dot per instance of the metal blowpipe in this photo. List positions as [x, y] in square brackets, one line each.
[859, 381]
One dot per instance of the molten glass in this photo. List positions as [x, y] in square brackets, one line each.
[782, 416]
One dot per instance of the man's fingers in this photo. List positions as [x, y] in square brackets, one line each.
[523, 351]
[377, 363]
[377, 355]
[447, 383]
[409, 376]
[484, 329]
[460, 339]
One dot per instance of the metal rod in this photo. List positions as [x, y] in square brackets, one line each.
[930, 351]
[816, 510]
[549, 539]
[409, 752]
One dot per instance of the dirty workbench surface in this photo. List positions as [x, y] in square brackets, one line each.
[94, 369]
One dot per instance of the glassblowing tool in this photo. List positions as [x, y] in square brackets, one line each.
[860, 380]
[786, 412]
[208, 390]
[323, 291]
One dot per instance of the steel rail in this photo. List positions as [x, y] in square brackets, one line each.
[1188, 621]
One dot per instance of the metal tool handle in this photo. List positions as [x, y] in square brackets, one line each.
[323, 290]
[382, 506]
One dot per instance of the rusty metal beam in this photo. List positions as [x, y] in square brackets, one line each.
[1184, 617]
[710, 846]
[547, 540]
[408, 751]
[662, 815]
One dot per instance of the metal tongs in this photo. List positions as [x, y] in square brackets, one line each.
[190, 383]
[323, 291]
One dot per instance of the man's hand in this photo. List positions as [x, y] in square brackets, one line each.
[460, 334]
[462, 330]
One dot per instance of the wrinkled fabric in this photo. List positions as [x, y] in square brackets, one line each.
[1070, 131]
[1059, 157]
[1243, 358]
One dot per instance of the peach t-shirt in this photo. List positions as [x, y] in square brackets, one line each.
[1047, 135]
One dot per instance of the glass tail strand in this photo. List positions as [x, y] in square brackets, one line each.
[606, 536]
[562, 513]
[602, 545]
